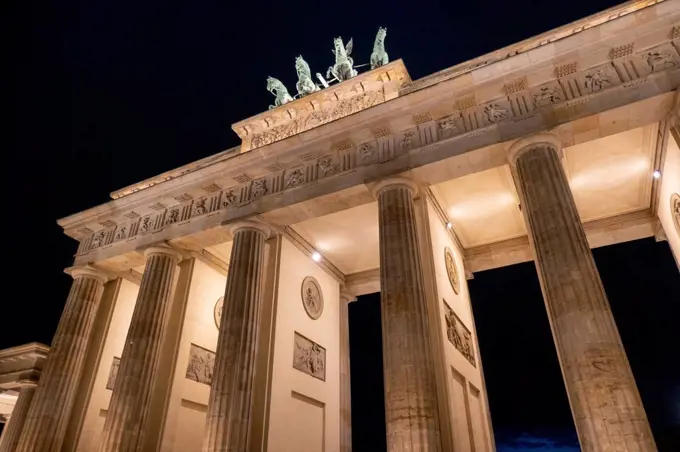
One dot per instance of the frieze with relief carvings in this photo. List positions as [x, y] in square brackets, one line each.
[628, 70]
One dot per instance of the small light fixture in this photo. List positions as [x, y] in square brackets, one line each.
[656, 174]
[316, 257]
[449, 225]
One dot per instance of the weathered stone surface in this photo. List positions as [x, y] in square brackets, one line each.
[411, 413]
[12, 431]
[229, 409]
[48, 415]
[604, 399]
[129, 408]
[345, 384]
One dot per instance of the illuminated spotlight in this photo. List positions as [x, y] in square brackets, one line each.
[656, 174]
[449, 225]
[316, 257]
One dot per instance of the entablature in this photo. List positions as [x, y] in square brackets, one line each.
[629, 60]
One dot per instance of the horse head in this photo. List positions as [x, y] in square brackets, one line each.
[380, 37]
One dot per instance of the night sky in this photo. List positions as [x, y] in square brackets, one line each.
[106, 94]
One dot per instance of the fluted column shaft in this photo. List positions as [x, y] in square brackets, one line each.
[128, 412]
[12, 431]
[231, 394]
[345, 383]
[48, 415]
[411, 412]
[604, 399]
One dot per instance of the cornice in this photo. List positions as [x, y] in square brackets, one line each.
[32, 349]
[424, 127]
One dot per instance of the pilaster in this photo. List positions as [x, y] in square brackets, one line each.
[345, 383]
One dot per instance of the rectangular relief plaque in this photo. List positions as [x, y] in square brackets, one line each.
[309, 357]
[459, 335]
[113, 373]
[201, 365]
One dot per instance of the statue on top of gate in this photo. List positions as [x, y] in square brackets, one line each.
[305, 84]
[343, 69]
[379, 56]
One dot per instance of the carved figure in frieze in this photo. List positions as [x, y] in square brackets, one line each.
[145, 225]
[98, 240]
[495, 113]
[294, 177]
[548, 95]
[379, 56]
[278, 89]
[121, 233]
[201, 365]
[309, 357]
[259, 188]
[343, 69]
[173, 217]
[367, 152]
[448, 126]
[228, 198]
[658, 60]
[408, 141]
[199, 207]
[596, 80]
[305, 85]
[328, 166]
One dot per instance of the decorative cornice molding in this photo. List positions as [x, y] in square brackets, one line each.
[478, 125]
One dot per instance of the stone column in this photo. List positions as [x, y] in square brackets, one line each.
[128, 412]
[604, 399]
[345, 385]
[228, 420]
[12, 431]
[48, 415]
[411, 413]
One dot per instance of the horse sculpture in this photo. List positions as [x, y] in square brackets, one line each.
[343, 69]
[379, 56]
[305, 85]
[279, 90]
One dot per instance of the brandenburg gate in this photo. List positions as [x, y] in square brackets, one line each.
[209, 306]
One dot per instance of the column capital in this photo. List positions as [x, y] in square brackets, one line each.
[530, 142]
[394, 182]
[236, 226]
[163, 250]
[346, 296]
[85, 270]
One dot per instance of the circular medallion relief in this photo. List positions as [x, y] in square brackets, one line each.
[218, 312]
[451, 269]
[675, 211]
[312, 298]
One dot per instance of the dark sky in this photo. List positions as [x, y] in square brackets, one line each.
[109, 93]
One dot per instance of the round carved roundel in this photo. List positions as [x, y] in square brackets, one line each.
[451, 270]
[312, 297]
[675, 211]
[218, 312]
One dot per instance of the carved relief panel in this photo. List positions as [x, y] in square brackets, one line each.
[309, 357]
[459, 335]
[675, 211]
[201, 365]
[217, 311]
[452, 270]
[312, 297]
[113, 373]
